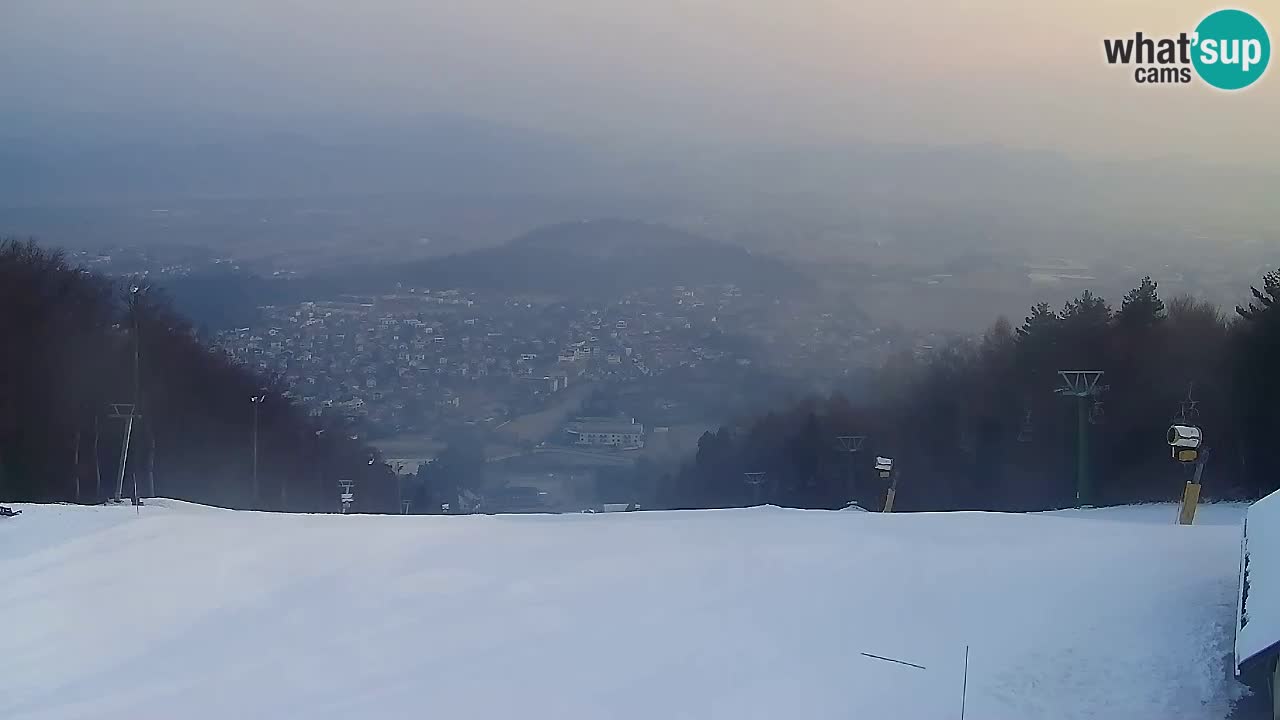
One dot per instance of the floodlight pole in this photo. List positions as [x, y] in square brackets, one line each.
[135, 293]
[755, 480]
[400, 487]
[257, 403]
[850, 445]
[75, 464]
[97, 463]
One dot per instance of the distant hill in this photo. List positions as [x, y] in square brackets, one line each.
[605, 256]
[591, 258]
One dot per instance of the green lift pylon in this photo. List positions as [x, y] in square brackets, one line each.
[1083, 386]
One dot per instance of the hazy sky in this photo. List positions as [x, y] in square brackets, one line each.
[1024, 73]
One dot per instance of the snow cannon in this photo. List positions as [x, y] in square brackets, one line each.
[1184, 442]
[884, 466]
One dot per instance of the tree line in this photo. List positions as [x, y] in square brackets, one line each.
[80, 350]
[977, 424]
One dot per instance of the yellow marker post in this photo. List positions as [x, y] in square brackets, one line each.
[1190, 499]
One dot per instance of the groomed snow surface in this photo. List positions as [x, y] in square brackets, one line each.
[190, 612]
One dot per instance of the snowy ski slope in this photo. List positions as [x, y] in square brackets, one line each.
[191, 612]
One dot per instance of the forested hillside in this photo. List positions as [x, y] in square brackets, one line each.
[75, 343]
[603, 256]
[977, 424]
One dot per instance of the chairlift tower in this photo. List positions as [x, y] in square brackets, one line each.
[346, 496]
[123, 411]
[851, 445]
[1083, 386]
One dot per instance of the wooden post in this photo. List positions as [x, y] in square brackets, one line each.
[1191, 494]
[893, 491]
[1190, 499]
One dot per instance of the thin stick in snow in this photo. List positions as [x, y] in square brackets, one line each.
[964, 688]
[900, 662]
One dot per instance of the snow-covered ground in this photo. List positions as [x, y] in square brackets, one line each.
[191, 612]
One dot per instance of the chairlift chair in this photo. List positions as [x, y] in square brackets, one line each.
[1097, 413]
[1024, 431]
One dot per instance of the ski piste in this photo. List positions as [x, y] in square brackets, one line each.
[743, 613]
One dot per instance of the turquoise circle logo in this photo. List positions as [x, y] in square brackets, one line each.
[1232, 49]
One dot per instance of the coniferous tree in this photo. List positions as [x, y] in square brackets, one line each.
[1141, 308]
[74, 343]
[976, 424]
[1256, 381]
